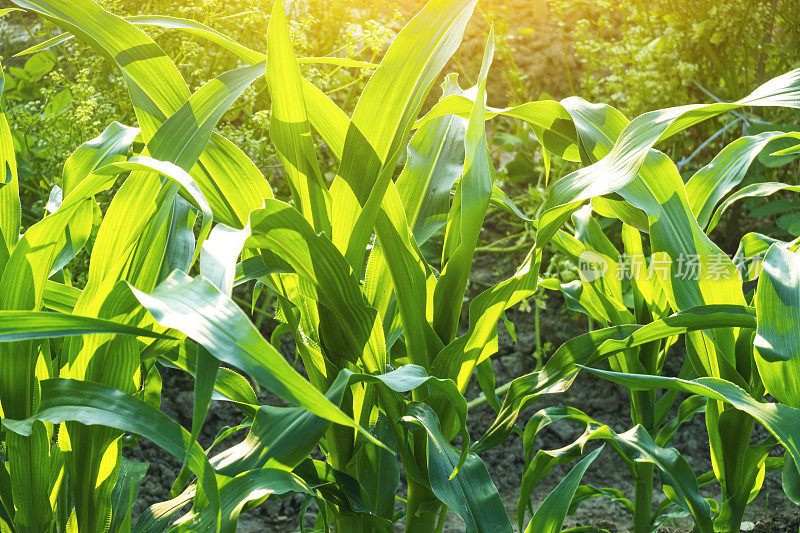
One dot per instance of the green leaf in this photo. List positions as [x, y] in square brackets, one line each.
[28, 325]
[29, 469]
[790, 479]
[777, 340]
[465, 219]
[550, 515]
[46, 45]
[184, 137]
[378, 471]
[156, 518]
[230, 180]
[588, 492]
[471, 493]
[434, 162]
[634, 143]
[649, 180]
[248, 55]
[237, 492]
[383, 118]
[290, 130]
[458, 359]
[200, 30]
[281, 437]
[551, 122]
[95, 404]
[712, 182]
[185, 304]
[634, 446]
[754, 189]
[113, 145]
[780, 420]
[126, 493]
[10, 210]
[353, 329]
[589, 348]
[176, 174]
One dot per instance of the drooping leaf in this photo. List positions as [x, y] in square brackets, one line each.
[780, 420]
[471, 493]
[712, 182]
[95, 404]
[589, 348]
[634, 447]
[213, 320]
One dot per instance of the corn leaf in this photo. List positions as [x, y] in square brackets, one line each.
[9, 188]
[95, 404]
[186, 305]
[28, 325]
[383, 118]
[633, 446]
[752, 190]
[354, 330]
[589, 348]
[711, 183]
[471, 493]
[780, 420]
[282, 437]
[465, 219]
[777, 340]
[237, 492]
[553, 510]
[290, 130]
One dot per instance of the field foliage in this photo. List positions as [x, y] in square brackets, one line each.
[368, 264]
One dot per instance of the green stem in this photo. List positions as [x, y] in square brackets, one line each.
[443, 519]
[643, 497]
[422, 505]
[482, 399]
[346, 522]
[420, 509]
[538, 332]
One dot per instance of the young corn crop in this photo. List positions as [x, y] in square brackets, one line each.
[385, 366]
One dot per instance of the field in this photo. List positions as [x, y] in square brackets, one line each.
[453, 265]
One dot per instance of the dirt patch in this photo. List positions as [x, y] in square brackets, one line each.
[779, 524]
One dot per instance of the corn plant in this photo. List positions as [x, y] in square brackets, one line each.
[375, 324]
[75, 484]
[632, 183]
[311, 253]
